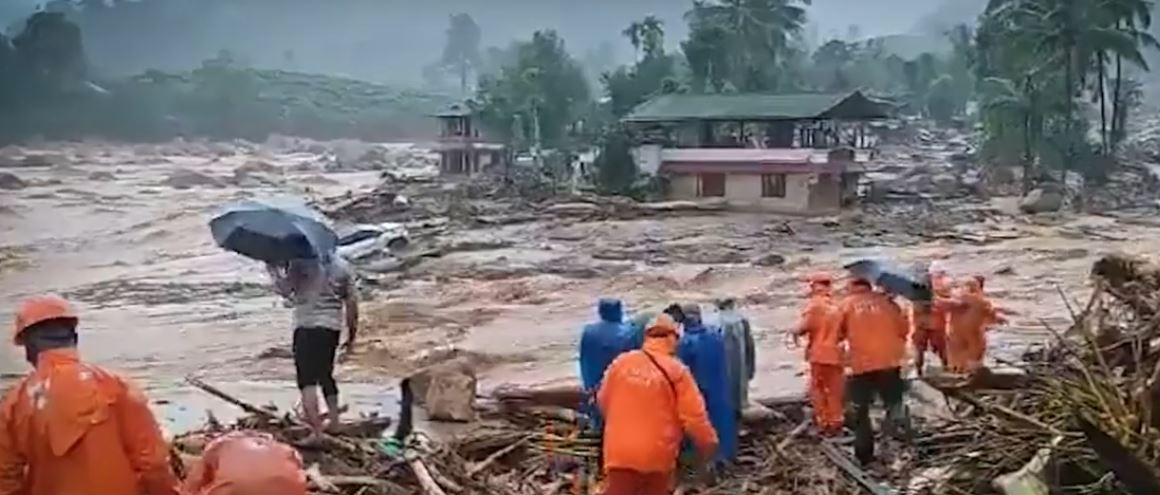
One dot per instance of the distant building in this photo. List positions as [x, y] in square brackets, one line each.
[461, 149]
[786, 153]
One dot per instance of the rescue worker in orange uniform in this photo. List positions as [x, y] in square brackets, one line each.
[73, 428]
[929, 321]
[827, 377]
[971, 313]
[650, 402]
[247, 463]
[875, 330]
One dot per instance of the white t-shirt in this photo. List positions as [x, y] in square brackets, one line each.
[318, 292]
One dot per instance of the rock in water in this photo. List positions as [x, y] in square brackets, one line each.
[945, 184]
[11, 182]
[43, 160]
[1041, 200]
[254, 167]
[183, 178]
[447, 391]
[771, 259]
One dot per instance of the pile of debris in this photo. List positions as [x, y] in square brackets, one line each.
[535, 447]
[524, 447]
[490, 200]
[359, 459]
[1082, 417]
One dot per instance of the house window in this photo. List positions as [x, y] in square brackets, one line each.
[773, 185]
[712, 185]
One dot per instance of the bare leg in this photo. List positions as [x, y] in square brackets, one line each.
[332, 411]
[310, 407]
[920, 360]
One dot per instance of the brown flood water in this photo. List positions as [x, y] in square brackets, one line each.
[160, 302]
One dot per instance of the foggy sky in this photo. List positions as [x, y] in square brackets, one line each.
[392, 40]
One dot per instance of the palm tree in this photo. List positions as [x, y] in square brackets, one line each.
[652, 31]
[634, 33]
[758, 35]
[1134, 19]
[461, 53]
[649, 34]
[1019, 103]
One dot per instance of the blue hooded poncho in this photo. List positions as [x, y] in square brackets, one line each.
[702, 349]
[601, 343]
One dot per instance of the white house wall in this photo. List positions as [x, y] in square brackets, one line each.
[684, 187]
[743, 191]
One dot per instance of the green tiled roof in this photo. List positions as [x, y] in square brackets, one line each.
[760, 107]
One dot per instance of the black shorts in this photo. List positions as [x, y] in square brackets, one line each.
[314, 352]
[885, 384]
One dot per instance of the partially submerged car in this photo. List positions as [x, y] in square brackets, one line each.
[361, 241]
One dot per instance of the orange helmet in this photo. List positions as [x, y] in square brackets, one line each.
[38, 309]
[664, 325]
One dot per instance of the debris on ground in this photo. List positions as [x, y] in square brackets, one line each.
[1099, 379]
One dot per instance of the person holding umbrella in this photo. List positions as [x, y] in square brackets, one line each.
[298, 247]
[324, 299]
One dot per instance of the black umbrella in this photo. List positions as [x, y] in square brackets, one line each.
[273, 231]
[892, 278]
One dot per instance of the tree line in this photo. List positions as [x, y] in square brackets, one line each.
[1050, 80]
[1055, 82]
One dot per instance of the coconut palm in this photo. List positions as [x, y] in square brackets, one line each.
[1012, 102]
[649, 34]
[758, 35]
[1133, 18]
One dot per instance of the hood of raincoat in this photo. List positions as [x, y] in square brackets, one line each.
[695, 326]
[611, 310]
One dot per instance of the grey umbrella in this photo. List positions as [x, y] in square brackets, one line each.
[273, 230]
[891, 277]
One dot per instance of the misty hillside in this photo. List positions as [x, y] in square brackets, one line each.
[393, 40]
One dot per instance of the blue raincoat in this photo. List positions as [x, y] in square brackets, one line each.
[702, 349]
[601, 343]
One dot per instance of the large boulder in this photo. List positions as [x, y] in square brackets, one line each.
[184, 178]
[11, 182]
[769, 259]
[945, 184]
[1041, 200]
[447, 391]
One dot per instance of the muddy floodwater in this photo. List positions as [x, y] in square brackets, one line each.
[122, 231]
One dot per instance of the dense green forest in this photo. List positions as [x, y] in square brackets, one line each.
[1051, 83]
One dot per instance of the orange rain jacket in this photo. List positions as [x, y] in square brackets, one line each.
[247, 463]
[875, 328]
[648, 406]
[819, 322]
[72, 428]
[970, 315]
[940, 284]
